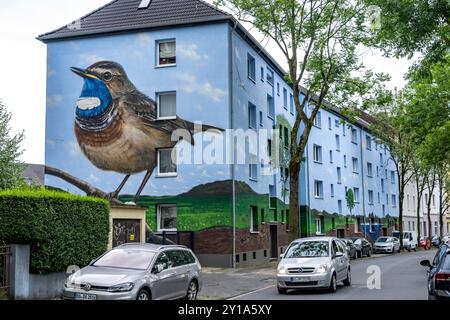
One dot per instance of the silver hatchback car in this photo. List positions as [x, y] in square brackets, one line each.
[138, 272]
[317, 262]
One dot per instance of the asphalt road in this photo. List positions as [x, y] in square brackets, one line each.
[402, 277]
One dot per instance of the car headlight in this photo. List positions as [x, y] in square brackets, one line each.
[322, 268]
[69, 283]
[122, 287]
[282, 270]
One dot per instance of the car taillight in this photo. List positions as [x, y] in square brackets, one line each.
[441, 276]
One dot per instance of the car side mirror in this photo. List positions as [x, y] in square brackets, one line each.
[281, 256]
[425, 263]
[158, 268]
[92, 262]
[338, 254]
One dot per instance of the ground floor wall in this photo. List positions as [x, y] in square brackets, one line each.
[410, 224]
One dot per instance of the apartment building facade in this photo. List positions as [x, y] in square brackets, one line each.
[198, 64]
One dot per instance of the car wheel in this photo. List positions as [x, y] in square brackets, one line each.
[192, 291]
[282, 290]
[358, 254]
[415, 249]
[348, 280]
[143, 294]
[431, 297]
[369, 253]
[333, 284]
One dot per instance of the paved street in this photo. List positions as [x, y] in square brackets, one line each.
[401, 278]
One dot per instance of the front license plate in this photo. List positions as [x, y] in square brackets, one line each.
[300, 279]
[84, 296]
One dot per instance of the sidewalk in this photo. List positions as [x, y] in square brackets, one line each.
[224, 283]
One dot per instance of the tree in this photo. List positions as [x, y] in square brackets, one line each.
[420, 175]
[350, 200]
[414, 26]
[319, 40]
[11, 168]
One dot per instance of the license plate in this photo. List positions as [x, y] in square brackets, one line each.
[300, 279]
[84, 296]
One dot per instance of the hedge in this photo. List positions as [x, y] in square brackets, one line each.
[63, 229]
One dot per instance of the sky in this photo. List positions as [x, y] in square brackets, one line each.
[23, 63]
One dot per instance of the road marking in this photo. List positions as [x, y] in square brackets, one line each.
[251, 292]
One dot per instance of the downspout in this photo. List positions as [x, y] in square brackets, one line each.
[232, 166]
[363, 181]
[308, 224]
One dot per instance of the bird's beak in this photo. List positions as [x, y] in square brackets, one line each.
[82, 73]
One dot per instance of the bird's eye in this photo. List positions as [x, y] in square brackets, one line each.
[107, 76]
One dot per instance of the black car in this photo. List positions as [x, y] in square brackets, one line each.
[436, 241]
[351, 249]
[439, 274]
[362, 246]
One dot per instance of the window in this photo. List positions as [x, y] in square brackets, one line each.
[340, 206]
[318, 225]
[286, 137]
[355, 165]
[381, 159]
[262, 74]
[329, 123]
[269, 76]
[251, 68]
[338, 143]
[356, 194]
[345, 161]
[371, 225]
[318, 120]
[251, 115]
[333, 225]
[369, 169]
[253, 219]
[336, 123]
[167, 217]
[318, 189]
[269, 147]
[166, 53]
[261, 121]
[378, 173]
[278, 88]
[434, 200]
[394, 201]
[291, 102]
[378, 197]
[368, 142]
[331, 156]
[358, 224]
[253, 171]
[332, 190]
[435, 227]
[339, 176]
[393, 177]
[426, 200]
[354, 135]
[370, 197]
[317, 153]
[343, 129]
[387, 198]
[167, 105]
[285, 101]
[167, 167]
[270, 107]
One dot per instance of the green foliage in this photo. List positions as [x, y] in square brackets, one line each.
[350, 200]
[63, 229]
[11, 168]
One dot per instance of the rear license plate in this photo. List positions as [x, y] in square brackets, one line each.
[84, 296]
[300, 279]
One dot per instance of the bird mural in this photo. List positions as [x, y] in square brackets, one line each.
[116, 125]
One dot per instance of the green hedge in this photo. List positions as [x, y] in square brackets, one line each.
[63, 229]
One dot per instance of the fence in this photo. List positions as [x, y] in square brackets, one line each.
[5, 256]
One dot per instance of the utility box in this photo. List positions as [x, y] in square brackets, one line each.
[127, 225]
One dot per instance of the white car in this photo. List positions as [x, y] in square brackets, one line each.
[386, 244]
[409, 239]
[317, 262]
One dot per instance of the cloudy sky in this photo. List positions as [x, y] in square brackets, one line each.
[23, 62]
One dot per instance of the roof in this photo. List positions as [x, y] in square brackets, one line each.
[124, 15]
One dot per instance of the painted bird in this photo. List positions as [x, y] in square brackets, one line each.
[116, 125]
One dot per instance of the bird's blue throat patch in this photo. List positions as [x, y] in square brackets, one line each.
[94, 99]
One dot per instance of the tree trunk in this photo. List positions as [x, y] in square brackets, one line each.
[294, 169]
[401, 187]
[441, 209]
[419, 191]
[431, 185]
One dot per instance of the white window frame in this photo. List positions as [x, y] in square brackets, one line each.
[251, 58]
[338, 142]
[355, 165]
[160, 174]
[318, 191]
[318, 120]
[253, 211]
[158, 99]
[158, 217]
[339, 175]
[354, 135]
[158, 42]
[356, 195]
[369, 172]
[318, 225]
[317, 148]
[370, 197]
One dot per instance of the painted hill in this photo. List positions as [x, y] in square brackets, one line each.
[224, 187]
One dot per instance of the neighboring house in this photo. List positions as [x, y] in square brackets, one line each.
[410, 211]
[34, 174]
[199, 64]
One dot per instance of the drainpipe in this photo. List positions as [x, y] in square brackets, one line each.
[232, 166]
[308, 225]
[363, 181]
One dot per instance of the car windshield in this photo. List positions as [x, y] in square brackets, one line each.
[126, 259]
[308, 249]
[384, 239]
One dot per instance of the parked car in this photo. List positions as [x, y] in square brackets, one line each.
[438, 274]
[425, 243]
[362, 246]
[386, 244]
[409, 239]
[436, 241]
[138, 272]
[351, 249]
[446, 239]
[316, 262]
